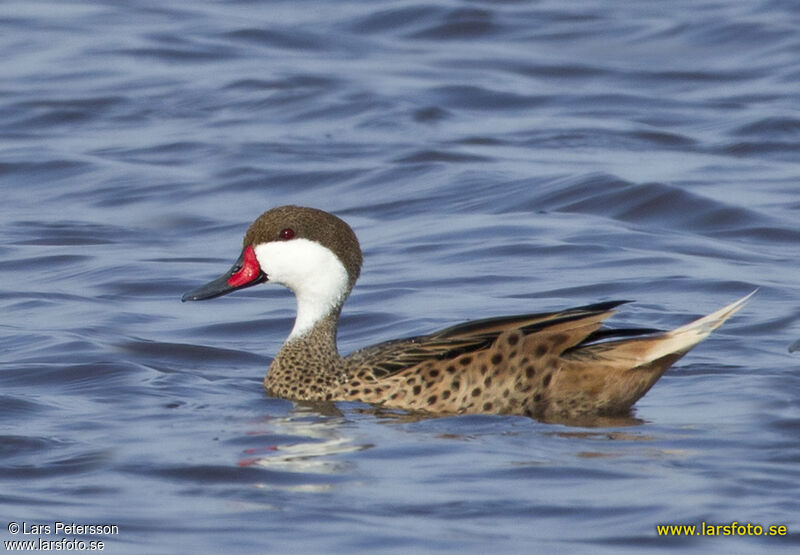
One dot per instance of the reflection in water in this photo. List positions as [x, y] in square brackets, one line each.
[611, 436]
[317, 436]
[597, 421]
[622, 437]
[584, 421]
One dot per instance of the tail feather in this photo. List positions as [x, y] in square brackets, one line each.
[682, 339]
[640, 351]
[610, 376]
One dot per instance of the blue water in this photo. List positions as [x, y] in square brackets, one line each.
[494, 158]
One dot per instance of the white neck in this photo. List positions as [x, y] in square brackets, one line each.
[314, 273]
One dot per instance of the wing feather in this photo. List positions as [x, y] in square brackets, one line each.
[392, 357]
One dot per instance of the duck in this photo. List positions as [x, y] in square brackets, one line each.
[549, 366]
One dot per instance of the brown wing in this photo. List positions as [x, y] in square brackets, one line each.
[391, 357]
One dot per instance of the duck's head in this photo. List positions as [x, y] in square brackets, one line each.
[313, 253]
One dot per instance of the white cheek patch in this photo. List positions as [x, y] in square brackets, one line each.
[314, 273]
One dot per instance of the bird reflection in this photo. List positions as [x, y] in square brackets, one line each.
[315, 439]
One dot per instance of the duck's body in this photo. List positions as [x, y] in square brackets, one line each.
[550, 366]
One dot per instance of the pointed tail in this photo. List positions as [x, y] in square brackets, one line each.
[682, 339]
[628, 368]
[636, 352]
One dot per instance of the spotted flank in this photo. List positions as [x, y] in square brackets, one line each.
[551, 366]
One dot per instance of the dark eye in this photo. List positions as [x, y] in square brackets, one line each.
[287, 233]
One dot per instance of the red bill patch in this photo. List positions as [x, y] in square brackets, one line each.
[249, 271]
